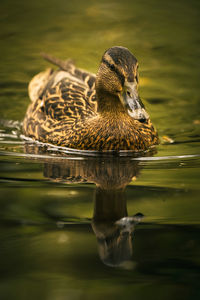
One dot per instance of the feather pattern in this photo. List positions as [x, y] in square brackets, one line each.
[64, 111]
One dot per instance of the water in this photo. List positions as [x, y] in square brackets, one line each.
[87, 227]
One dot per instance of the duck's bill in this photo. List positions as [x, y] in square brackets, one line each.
[131, 101]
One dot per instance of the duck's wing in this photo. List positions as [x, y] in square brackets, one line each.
[68, 95]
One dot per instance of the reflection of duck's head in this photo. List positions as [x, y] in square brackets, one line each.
[115, 239]
[114, 244]
[112, 227]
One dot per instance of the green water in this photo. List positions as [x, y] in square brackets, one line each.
[60, 234]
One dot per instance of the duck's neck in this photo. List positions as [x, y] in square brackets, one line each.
[109, 104]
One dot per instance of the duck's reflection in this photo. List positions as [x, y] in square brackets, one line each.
[111, 224]
[112, 227]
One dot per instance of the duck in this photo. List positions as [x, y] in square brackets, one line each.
[74, 108]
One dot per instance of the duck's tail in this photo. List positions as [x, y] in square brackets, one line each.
[62, 64]
[42, 81]
[38, 84]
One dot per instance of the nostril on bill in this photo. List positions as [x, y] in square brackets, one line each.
[128, 94]
[143, 120]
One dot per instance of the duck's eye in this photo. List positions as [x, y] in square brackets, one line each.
[112, 67]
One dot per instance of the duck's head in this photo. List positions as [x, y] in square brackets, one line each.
[117, 84]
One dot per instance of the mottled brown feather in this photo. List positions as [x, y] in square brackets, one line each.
[65, 113]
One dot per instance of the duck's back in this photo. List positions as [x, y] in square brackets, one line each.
[60, 99]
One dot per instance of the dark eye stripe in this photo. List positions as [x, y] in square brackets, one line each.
[113, 68]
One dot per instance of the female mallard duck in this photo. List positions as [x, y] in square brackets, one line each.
[76, 109]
